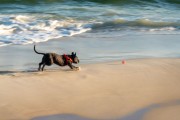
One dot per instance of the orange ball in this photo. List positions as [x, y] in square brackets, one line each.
[123, 62]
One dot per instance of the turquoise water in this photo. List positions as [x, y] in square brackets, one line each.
[28, 21]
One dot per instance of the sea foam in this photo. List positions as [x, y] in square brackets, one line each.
[26, 29]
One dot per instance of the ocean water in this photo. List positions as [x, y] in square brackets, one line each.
[28, 21]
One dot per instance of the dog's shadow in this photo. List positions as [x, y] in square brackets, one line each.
[14, 73]
[7, 72]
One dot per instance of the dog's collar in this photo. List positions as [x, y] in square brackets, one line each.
[67, 58]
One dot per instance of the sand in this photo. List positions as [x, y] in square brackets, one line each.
[142, 89]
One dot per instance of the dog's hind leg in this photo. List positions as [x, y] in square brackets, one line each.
[40, 66]
[43, 67]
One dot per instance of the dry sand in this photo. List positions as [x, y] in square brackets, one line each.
[147, 89]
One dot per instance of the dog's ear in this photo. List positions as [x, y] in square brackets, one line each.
[74, 54]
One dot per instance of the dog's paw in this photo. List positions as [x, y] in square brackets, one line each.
[79, 68]
[76, 69]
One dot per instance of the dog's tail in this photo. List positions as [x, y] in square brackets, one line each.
[37, 51]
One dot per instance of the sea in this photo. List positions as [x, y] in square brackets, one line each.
[31, 21]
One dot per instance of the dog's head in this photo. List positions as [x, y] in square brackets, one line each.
[74, 58]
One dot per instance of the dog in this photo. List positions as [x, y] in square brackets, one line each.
[61, 60]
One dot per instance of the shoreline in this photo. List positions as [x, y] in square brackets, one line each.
[56, 68]
[92, 50]
[110, 90]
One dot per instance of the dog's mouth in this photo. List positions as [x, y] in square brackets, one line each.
[76, 61]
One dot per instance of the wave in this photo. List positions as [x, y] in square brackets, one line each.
[134, 1]
[30, 28]
[140, 23]
[119, 2]
[23, 29]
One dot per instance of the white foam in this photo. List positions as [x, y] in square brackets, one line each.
[163, 29]
[6, 30]
[22, 29]
[22, 18]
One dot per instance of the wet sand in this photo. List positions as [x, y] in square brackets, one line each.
[92, 48]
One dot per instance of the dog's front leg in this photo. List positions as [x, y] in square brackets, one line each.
[72, 66]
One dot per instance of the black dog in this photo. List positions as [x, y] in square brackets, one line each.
[61, 60]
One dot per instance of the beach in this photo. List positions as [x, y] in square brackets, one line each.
[120, 78]
[129, 53]
[129, 78]
[144, 89]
